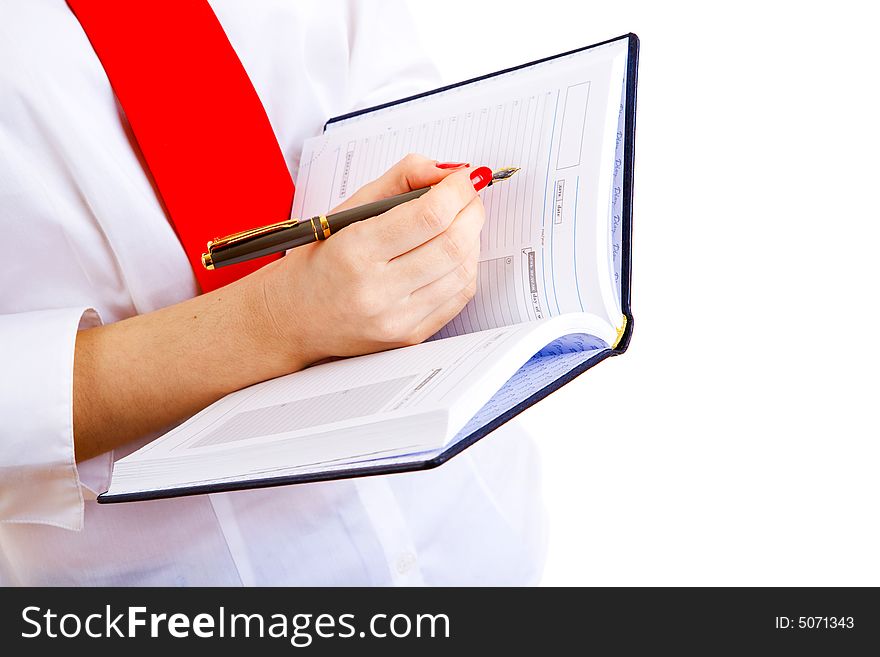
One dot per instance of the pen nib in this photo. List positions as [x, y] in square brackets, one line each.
[503, 174]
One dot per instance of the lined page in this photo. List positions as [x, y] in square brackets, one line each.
[547, 245]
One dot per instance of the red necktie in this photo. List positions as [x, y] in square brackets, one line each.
[197, 119]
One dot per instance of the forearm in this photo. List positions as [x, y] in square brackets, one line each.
[142, 374]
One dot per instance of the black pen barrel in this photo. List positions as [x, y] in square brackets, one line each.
[301, 233]
[340, 220]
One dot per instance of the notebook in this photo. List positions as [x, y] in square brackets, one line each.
[553, 293]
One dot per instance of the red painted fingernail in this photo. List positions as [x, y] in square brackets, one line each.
[452, 165]
[480, 177]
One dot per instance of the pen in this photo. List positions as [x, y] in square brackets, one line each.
[284, 235]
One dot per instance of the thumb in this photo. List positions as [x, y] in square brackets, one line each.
[412, 172]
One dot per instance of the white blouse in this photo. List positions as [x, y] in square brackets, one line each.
[78, 214]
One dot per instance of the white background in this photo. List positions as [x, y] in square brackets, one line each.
[736, 442]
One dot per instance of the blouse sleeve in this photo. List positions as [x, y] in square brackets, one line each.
[39, 480]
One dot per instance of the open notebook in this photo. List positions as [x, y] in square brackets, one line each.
[552, 297]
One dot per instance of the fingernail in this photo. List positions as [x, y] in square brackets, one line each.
[480, 177]
[452, 165]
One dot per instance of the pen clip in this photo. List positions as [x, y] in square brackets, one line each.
[246, 235]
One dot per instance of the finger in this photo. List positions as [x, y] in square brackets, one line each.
[433, 295]
[443, 314]
[407, 226]
[412, 172]
[443, 253]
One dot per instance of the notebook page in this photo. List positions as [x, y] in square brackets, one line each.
[331, 396]
[391, 403]
[386, 385]
[546, 248]
[356, 408]
[540, 371]
[615, 222]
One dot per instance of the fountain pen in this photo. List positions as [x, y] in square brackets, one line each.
[284, 235]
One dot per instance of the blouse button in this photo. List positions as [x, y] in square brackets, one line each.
[405, 562]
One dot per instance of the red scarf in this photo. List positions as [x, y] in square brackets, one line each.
[197, 119]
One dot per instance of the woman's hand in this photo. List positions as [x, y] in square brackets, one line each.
[389, 281]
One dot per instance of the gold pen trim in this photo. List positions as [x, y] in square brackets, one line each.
[325, 225]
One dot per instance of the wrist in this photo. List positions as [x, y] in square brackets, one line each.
[275, 329]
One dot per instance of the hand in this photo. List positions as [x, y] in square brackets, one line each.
[389, 281]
